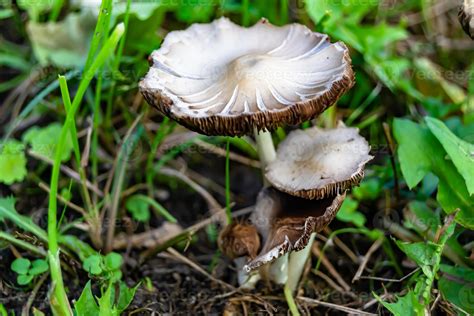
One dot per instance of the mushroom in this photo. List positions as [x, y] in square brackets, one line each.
[224, 79]
[310, 175]
[466, 17]
[317, 163]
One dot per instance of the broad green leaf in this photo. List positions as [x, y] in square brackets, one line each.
[407, 305]
[126, 296]
[421, 218]
[93, 264]
[138, 208]
[21, 265]
[24, 279]
[86, 304]
[43, 141]
[421, 253]
[455, 285]
[64, 43]
[8, 211]
[349, 214]
[38, 267]
[419, 153]
[12, 162]
[106, 303]
[460, 151]
[113, 261]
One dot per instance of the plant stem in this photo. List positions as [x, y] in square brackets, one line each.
[227, 183]
[290, 301]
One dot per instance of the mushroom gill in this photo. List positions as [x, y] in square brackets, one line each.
[285, 223]
[224, 79]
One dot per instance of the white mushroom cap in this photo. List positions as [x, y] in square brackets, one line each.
[466, 17]
[224, 79]
[315, 163]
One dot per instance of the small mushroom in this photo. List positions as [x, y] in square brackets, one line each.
[239, 240]
[286, 223]
[466, 17]
[224, 79]
[316, 163]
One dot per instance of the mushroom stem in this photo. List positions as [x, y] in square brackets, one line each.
[296, 264]
[278, 270]
[265, 147]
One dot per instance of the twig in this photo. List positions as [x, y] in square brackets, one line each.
[87, 147]
[317, 252]
[25, 311]
[149, 238]
[214, 206]
[190, 231]
[113, 210]
[390, 280]
[198, 268]
[334, 306]
[366, 258]
[329, 281]
[73, 206]
[342, 246]
[232, 156]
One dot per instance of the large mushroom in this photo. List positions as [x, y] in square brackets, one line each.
[223, 79]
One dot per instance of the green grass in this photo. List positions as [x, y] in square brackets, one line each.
[59, 300]
[390, 82]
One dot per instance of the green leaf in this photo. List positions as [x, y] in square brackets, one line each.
[349, 214]
[35, 8]
[7, 211]
[455, 285]
[21, 265]
[422, 218]
[93, 264]
[44, 140]
[86, 304]
[12, 162]
[113, 261]
[3, 310]
[24, 279]
[419, 153]
[126, 296]
[79, 247]
[105, 303]
[460, 151]
[368, 190]
[407, 305]
[38, 267]
[64, 43]
[138, 208]
[421, 253]
[138, 199]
